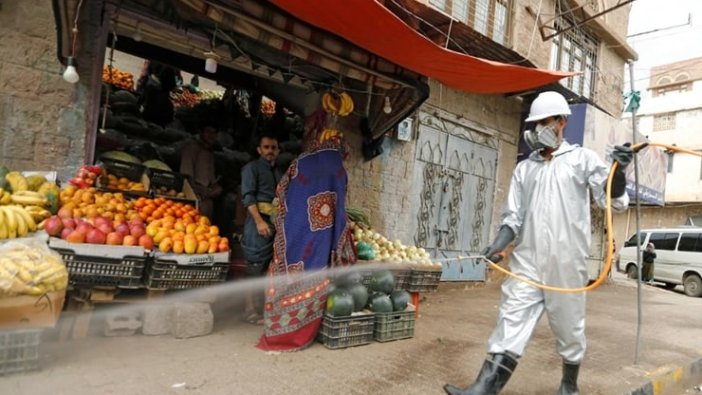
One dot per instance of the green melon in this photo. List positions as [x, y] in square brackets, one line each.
[339, 303]
[400, 299]
[382, 281]
[360, 296]
[349, 279]
[380, 303]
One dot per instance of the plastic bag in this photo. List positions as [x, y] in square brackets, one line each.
[29, 267]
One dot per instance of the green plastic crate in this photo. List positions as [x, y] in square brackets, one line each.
[394, 326]
[343, 332]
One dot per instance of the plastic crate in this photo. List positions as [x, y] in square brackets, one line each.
[118, 168]
[163, 274]
[343, 332]
[424, 280]
[394, 326]
[19, 350]
[85, 270]
[164, 178]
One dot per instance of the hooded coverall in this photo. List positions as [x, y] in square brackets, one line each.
[548, 209]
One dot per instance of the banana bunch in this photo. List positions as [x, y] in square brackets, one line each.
[17, 181]
[340, 104]
[5, 196]
[29, 198]
[328, 134]
[26, 270]
[38, 213]
[15, 222]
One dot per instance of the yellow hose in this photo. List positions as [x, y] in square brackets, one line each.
[610, 233]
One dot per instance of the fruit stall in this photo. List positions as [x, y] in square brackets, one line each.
[59, 246]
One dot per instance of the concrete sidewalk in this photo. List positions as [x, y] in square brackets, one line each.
[449, 346]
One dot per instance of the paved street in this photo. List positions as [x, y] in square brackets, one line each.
[449, 346]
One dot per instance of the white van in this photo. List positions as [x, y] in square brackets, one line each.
[678, 257]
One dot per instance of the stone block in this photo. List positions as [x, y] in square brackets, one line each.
[157, 319]
[121, 323]
[191, 320]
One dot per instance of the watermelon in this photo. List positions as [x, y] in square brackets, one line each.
[349, 279]
[365, 251]
[360, 296]
[400, 299]
[380, 303]
[382, 281]
[339, 303]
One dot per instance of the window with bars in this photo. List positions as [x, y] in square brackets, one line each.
[488, 17]
[663, 122]
[575, 50]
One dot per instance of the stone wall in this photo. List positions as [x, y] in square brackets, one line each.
[41, 125]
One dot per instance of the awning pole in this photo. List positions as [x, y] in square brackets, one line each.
[639, 319]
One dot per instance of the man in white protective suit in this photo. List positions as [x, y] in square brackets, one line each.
[548, 216]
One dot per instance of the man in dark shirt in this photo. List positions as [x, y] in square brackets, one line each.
[258, 182]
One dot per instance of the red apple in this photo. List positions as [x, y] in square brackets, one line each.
[76, 237]
[129, 240]
[105, 228]
[65, 232]
[95, 236]
[146, 241]
[84, 228]
[99, 221]
[137, 231]
[53, 226]
[68, 223]
[122, 229]
[114, 238]
[136, 221]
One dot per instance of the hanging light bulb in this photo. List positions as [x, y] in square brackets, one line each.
[70, 74]
[137, 34]
[211, 62]
[387, 108]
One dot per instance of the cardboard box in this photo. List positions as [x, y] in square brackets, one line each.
[31, 311]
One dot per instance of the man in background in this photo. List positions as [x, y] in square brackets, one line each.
[198, 163]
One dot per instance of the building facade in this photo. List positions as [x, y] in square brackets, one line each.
[442, 189]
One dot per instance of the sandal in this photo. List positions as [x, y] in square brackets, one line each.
[253, 318]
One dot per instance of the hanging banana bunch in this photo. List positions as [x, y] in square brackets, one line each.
[340, 104]
[330, 133]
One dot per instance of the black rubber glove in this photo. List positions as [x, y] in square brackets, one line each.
[623, 154]
[504, 236]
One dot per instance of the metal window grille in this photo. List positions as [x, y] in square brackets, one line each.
[488, 17]
[663, 122]
[575, 50]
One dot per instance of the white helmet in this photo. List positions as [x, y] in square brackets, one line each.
[548, 104]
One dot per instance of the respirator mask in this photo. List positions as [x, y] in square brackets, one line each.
[541, 137]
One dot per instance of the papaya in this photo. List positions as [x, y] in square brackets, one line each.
[34, 182]
[52, 194]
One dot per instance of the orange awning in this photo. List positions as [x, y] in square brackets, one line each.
[371, 26]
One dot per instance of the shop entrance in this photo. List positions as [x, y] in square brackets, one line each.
[454, 183]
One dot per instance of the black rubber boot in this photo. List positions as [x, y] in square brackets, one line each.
[569, 382]
[494, 374]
